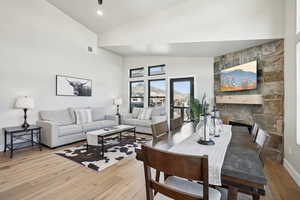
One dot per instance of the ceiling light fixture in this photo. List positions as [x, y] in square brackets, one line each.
[99, 12]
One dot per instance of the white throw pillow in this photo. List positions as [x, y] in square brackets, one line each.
[83, 116]
[145, 114]
[136, 112]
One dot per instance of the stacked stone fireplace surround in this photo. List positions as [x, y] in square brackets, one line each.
[269, 115]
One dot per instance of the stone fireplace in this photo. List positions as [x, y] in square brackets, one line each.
[268, 114]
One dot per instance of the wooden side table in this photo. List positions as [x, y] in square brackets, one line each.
[26, 137]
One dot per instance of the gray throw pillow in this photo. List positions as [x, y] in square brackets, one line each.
[98, 114]
[60, 117]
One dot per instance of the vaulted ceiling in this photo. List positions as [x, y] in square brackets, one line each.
[177, 27]
[115, 12]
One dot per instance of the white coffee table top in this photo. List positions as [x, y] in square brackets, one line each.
[115, 129]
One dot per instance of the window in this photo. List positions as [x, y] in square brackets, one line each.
[156, 70]
[137, 72]
[157, 92]
[136, 95]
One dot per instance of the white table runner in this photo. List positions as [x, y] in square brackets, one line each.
[216, 153]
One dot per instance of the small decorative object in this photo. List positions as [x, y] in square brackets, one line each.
[71, 86]
[25, 103]
[215, 122]
[203, 128]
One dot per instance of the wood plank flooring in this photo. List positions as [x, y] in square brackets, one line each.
[34, 175]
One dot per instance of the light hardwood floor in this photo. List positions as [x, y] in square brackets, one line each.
[32, 174]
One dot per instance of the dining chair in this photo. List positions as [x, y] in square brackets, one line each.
[178, 170]
[176, 124]
[160, 129]
[254, 131]
[261, 142]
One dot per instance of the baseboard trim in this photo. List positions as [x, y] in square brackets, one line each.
[294, 174]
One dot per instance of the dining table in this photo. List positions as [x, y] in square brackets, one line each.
[242, 169]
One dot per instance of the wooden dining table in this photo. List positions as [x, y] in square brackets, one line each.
[242, 169]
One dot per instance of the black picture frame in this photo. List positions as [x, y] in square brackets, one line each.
[79, 90]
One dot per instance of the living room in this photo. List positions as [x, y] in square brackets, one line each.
[66, 63]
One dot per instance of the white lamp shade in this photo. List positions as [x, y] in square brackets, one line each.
[118, 101]
[25, 102]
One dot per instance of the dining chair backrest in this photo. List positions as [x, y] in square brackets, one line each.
[174, 164]
[160, 129]
[261, 140]
[176, 124]
[254, 131]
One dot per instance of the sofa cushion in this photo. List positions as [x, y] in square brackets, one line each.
[98, 125]
[60, 117]
[83, 116]
[136, 112]
[69, 130]
[138, 122]
[98, 114]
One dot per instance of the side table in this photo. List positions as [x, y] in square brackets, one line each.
[25, 135]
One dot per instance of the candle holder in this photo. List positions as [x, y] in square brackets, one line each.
[203, 127]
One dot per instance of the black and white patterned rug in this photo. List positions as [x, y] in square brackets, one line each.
[115, 151]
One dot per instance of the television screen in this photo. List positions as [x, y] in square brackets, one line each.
[241, 77]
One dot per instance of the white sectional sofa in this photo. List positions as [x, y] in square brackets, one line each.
[59, 126]
[143, 121]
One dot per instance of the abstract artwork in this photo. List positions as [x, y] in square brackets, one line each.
[71, 86]
[241, 77]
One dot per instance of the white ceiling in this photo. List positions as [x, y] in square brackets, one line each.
[116, 12]
[199, 49]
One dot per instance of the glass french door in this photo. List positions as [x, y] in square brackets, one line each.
[181, 93]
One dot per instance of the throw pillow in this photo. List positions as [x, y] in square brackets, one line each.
[83, 116]
[136, 112]
[145, 114]
[98, 114]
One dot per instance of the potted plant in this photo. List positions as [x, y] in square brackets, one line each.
[198, 108]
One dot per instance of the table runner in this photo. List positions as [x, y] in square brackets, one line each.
[216, 153]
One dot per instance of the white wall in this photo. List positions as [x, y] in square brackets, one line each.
[200, 68]
[292, 149]
[37, 42]
[203, 20]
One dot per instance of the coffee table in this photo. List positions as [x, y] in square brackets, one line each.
[93, 136]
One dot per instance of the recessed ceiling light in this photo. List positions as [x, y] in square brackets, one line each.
[99, 12]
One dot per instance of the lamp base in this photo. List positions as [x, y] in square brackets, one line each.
[25, 125]
[205, 142]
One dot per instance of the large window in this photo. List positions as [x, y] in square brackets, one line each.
[157, 92]
[136, 95]
[156, 70]
[137, 72]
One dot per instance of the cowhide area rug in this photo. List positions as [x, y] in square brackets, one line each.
[115, 151]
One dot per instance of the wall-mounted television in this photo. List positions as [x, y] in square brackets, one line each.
[241, 77]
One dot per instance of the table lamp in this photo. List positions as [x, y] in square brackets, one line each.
[25, 103]
[118, 101]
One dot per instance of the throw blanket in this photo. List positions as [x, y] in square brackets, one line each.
[216, 153]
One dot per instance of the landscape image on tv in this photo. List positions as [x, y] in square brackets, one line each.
[241, 77]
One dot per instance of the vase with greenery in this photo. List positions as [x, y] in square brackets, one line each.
[199, 107]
